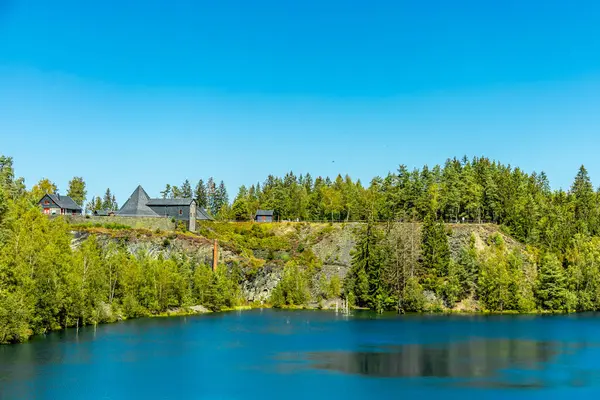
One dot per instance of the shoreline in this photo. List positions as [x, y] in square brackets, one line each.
[189, 311]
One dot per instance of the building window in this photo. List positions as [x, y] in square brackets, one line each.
[46, 202]
[180, 212]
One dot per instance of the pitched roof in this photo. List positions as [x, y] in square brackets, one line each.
[265, 213]
[104, 213]
[203, 215]
[136, 205]
[170, 202]
[64, 201]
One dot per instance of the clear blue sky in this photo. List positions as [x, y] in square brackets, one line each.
[131, 92]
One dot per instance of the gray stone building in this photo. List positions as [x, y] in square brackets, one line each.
[140, 204]
[55, 204]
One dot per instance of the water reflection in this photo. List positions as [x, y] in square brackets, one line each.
[469, 359]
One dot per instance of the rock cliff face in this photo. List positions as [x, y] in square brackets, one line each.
[261, 252]
[259, 286]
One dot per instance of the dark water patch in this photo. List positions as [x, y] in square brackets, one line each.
[477, 358]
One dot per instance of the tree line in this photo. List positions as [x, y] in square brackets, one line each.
[411, 268]
[477, 190]
[45, 284]
[208, 195]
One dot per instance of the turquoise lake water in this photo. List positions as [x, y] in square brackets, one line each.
[270, 354]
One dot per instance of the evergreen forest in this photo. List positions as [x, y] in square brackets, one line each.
[403, 259]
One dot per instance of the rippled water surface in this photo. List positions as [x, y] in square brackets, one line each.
[268, 354]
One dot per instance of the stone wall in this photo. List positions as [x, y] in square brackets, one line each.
[152, 223]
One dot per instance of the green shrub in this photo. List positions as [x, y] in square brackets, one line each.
[292, 289]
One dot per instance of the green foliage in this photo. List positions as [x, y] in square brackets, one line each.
[14, 317]
[200, 194]
[366, 278]
[223, 290]
[249, 236]
[43, 187]
[292, 290]
[413, 299]
[109, 202]
[551, 288]
[334, 287]
[584, 272]
[47, 285]
[468, 269]
[494, 282]
[107, 225]
[77, 190]
[435, 253]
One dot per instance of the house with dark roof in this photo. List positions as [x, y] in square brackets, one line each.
[140, 204]
[264, 216]
[104, 213]
[55, 204]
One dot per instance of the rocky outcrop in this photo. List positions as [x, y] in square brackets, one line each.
[259, 286]
[332, 244]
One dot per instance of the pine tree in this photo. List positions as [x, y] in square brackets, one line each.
[584, 200]
[222, 195]
[7, 173]
[186, 190]
[94, 205]
[435, 252]
[551, 288]
[107, 201]
[451, 200]
[114, 205]
[3, 213]
[367, 267]
[13, 187]
[176, 192]
[167, 192]
[211, 193]
[239, 209]
[200, 194]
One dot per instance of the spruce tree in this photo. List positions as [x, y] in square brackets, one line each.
[211, 193]
[584, 201]
[114, 206]
[222, 195]
[551, 290]
[186, 190]
[200, 194]
[435, 252]
[107, 201]
[366, 273]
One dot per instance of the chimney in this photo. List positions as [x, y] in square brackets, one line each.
[215, 255]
